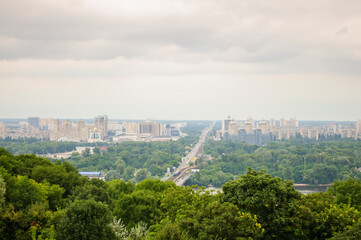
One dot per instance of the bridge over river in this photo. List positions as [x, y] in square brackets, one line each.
[183, 169]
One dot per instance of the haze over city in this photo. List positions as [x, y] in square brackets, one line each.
[180, 59]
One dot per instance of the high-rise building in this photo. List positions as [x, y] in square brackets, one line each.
[34, 121]
[248, 126]
[67, 128]
[272, 122]
[80, 125]
[101, 124]
[358, 126]
[80, 130]
[175, 131]
[145, 128]
[225, 124]
[263, 126]
[303, 131]
[283, 122]
[131, 128]
[251, 121]
[152, 128]
[44, 123]
[293, 122]
[156, 129]
[58, 125]
[242, 135]
[233, 128]
[167, 130]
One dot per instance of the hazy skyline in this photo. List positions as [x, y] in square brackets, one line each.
[180, 59]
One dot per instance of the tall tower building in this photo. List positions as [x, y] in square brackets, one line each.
[358, 127]
[34, 121]
[68, 129]
[44, 123]
[272, 122]
[225, 124]
[283, 122]
[233, 128]
[57, 130]
[263, 126]
[156, 129]
[249, 127]
[58, 126]
[80, 125]
[80, 128]
[101, 123]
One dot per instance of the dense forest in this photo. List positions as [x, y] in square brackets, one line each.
[44, 200]
[142, 159]
[35, 146]
[303, 161]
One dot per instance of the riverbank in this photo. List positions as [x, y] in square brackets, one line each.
[311, 185]
[302, 188]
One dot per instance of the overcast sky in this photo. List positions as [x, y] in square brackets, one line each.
[189, 59]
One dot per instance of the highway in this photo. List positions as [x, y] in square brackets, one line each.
[184, 175]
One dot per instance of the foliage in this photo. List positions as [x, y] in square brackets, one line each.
[25, 192]
[134, 161]
[90, 191]
[45, 200]
[141, 175]
[318, 217]
[272, 200]
[118, 187]
[298, 160]
[354, 233]
[85, 219]
[119, 229]
[140, 205]
[138, 232]
[2, 191]
[203, 216]
[35, 146]
[347, 192]
[169, 231]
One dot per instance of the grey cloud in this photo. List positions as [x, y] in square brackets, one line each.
[278, 32]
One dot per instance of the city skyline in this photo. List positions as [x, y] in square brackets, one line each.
[176, 60]
[259, 132]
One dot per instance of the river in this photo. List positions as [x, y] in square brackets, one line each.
[302, 189]
[311, 189]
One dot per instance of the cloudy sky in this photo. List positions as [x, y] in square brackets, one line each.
[189, 59]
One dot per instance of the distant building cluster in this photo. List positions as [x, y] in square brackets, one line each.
[98, 130]
[79, 131]
[22, 130]
[150, 131]
[261, 132]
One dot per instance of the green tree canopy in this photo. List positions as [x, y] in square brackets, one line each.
[86, 220]
[271, 199]
[347, 192]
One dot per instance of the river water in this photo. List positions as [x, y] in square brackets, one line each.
[302, 189]
[311, 189]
